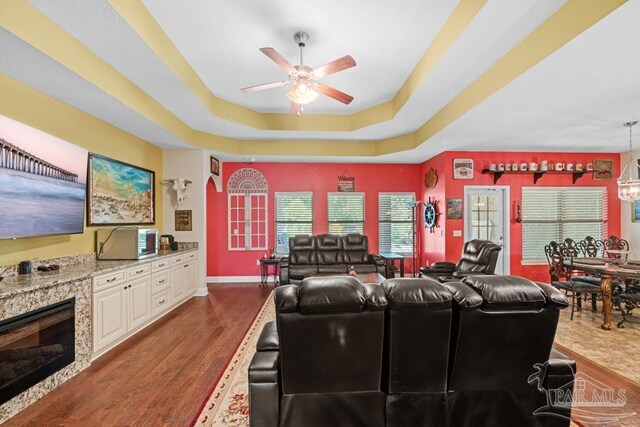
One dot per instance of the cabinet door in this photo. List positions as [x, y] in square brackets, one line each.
[190, 277]
[139, 302]
[109, 316]
[177, 283]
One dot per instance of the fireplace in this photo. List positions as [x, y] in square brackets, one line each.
[34, 346]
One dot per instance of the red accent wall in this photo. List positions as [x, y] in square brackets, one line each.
[371, 179]
[454, 188]
[320, 178]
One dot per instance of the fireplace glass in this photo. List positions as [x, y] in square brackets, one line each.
[35, 345]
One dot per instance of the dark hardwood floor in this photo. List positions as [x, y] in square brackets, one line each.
[161, 375]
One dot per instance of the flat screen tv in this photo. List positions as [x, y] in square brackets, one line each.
[42, 183]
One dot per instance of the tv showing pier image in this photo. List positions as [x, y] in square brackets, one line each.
[42, 183]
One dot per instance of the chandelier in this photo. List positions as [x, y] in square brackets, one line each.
[629, 188]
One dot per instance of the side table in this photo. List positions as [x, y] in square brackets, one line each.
[269, 266]
[389, 260]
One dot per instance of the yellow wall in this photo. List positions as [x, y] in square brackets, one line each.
[29, 106]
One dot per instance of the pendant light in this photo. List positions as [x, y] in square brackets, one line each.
[629, 188]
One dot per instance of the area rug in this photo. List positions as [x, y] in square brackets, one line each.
[228, 402]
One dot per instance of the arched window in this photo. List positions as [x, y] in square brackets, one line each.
[247, 192]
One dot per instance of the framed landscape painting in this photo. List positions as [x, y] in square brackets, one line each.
[119, 193]
[635, 211]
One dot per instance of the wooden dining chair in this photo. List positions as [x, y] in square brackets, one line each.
[614, 243]
[560, 259]
[591, 247]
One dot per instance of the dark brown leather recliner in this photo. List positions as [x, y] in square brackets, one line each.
[328, 254]
[418, 331]
[503, 331]
[475, 352]
[331, 335]
[478, 257]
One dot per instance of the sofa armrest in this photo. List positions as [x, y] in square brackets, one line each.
[463, 295]
[269, 339]
[443, 265]
[375, 259]
[264, 390]
[560, 375]
[438, 269]
[284, 270]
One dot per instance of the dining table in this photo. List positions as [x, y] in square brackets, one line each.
[608, 269]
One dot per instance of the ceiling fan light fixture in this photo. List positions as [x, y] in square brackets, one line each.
[628, 187]
[301, 93]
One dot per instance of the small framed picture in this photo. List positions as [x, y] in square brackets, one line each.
[184, 220]
[454, 208]
[602, 170]
[215, 166]
[462, 168]
[635, 211]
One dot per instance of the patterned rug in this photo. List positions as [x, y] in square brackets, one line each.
[228, 403]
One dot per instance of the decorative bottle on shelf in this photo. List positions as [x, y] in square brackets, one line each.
[352, 271]
[272, 254]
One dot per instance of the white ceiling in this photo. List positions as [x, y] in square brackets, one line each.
[574, 100]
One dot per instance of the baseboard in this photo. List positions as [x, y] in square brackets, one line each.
[233, 279]
[201, 292]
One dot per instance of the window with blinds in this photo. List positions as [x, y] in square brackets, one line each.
[294, 215]
[346, 213]
[554, 214]
[395, 222]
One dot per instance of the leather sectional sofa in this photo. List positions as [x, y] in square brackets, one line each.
[327, 254]
[410, 352]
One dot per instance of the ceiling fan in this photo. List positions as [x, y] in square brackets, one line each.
[304, 79]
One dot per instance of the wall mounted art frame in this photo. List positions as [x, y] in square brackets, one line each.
[214, 165]
[119, 193]
[462, 168]
[454, 208]
[184, 220]
[635, 211]
[602, 169]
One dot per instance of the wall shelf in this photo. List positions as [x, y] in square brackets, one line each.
[536, 174]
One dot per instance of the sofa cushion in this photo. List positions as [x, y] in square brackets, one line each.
[299, 272]
[365, 268]
[356, 248]
[507, 292]
[302, 250]
[329, 249]
[333, 269]
[331, 295]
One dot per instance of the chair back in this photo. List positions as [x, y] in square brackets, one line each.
[590, 247]
[302, 249]
[479, 256]
[331, 336]
[616, 244]
[356, 248]
[555, 257]
[329, 251]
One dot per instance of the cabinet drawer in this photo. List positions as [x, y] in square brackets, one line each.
[139, 270]
[191, 255]
[159, 281]
[160, 264]
[160, 302]
[179, 259]
[103, 282]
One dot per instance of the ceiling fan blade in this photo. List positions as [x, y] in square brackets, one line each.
[278, 59]
[334, 66]
[334, 93]
[266, 86]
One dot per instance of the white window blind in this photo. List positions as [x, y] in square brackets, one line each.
[294, 215]
[346, 213]
[556, 213]
[395, 223]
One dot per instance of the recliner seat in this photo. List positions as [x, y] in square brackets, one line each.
[478, 257]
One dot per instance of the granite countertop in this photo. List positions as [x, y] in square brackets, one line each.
[14, 285]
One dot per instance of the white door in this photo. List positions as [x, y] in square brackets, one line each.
[487, 218]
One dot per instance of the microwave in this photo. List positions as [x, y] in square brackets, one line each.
[126, 243]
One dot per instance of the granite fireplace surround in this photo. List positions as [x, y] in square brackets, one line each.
[22, 294]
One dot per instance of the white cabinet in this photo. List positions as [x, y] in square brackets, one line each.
[139, 302]
[184, 278]
[109, 316]
[129, 299]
